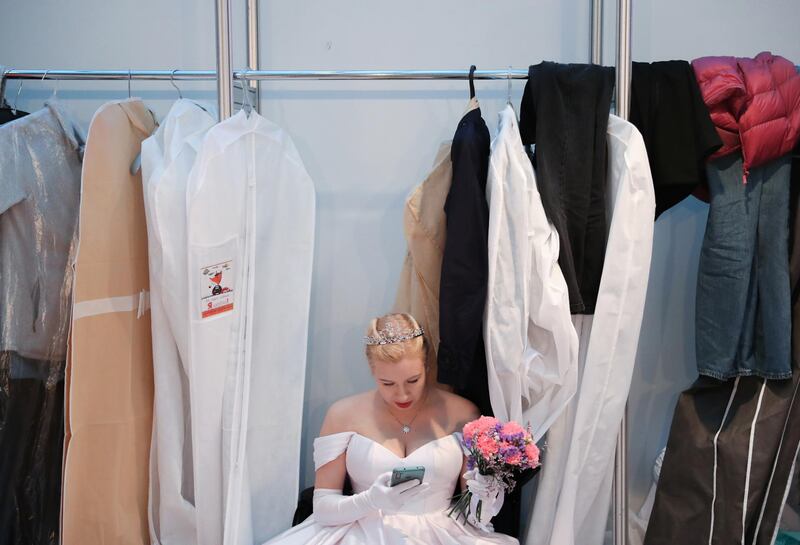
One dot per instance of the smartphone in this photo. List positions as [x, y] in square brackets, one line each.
[405, 474]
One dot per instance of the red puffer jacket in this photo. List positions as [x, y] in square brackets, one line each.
[754, 103]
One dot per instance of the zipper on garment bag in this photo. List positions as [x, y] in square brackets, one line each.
[750, 460]
[715, 441]
[233, 486]
[239, 447]
[248, 361]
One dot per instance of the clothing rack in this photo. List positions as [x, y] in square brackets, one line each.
[225, 77]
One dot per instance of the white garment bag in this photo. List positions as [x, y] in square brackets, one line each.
[167, 158]
[251, 209]
[284, 253]
[574, 494]
[531, 344]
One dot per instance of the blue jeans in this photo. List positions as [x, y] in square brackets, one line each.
[743, 314]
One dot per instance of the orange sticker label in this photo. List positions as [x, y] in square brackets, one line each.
[217, 289]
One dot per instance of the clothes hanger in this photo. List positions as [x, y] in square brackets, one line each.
[180, 94]
[508, 96]
[246, 105]
[3, 103]
[55, 87]
[16, 98]
[172, 81]
[472, 81]
[8, 112]
[137, 161]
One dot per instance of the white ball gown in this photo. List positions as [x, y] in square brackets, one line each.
[422, 521]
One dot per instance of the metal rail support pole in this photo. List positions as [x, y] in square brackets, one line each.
[224, 73]
[622, 108]
[252, 52]
[597, 32]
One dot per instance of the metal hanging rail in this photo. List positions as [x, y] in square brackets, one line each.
[167, 75]
[163, 75]
[379, 74]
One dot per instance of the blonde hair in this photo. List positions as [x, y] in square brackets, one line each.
[394, 352]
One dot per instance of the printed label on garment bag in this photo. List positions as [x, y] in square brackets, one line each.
[216, 289]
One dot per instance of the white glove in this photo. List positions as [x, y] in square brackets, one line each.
[332, 508]
[487, 490]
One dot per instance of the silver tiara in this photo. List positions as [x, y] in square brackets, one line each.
[390, 335]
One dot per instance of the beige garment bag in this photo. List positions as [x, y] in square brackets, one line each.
[109, 385]
[425, 230]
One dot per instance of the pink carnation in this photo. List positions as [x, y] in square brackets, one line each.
[514, 459]
[470, 429]
[512, 428]
[532, 453]
[486, 423]
[487, 447]
[478, 427]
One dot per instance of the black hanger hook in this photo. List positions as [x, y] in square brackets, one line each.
[472, 81]
[3, 73]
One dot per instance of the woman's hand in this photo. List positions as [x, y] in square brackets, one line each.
[485, 489]
[393, 498]
[331, 508]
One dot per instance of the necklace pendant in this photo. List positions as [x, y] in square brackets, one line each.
[406, 429]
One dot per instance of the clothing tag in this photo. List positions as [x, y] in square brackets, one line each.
[216, 289]
[144, 303]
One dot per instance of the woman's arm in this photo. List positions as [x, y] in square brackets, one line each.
[331, 475]
[462, 480]
[463, 411]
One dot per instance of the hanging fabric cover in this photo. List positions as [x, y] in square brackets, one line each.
[40, 176]
[167, 158]
[109, 370]
[574, 493]
[250, 243]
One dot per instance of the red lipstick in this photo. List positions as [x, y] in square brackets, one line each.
[405, 405]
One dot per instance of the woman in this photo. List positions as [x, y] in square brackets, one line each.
[403, 422]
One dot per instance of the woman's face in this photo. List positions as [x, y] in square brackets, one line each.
[401, 384]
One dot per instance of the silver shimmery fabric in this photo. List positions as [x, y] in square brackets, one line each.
[40, 185]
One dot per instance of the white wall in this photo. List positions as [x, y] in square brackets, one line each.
[366, 144]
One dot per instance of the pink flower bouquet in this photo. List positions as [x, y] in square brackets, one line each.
[496, 454]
